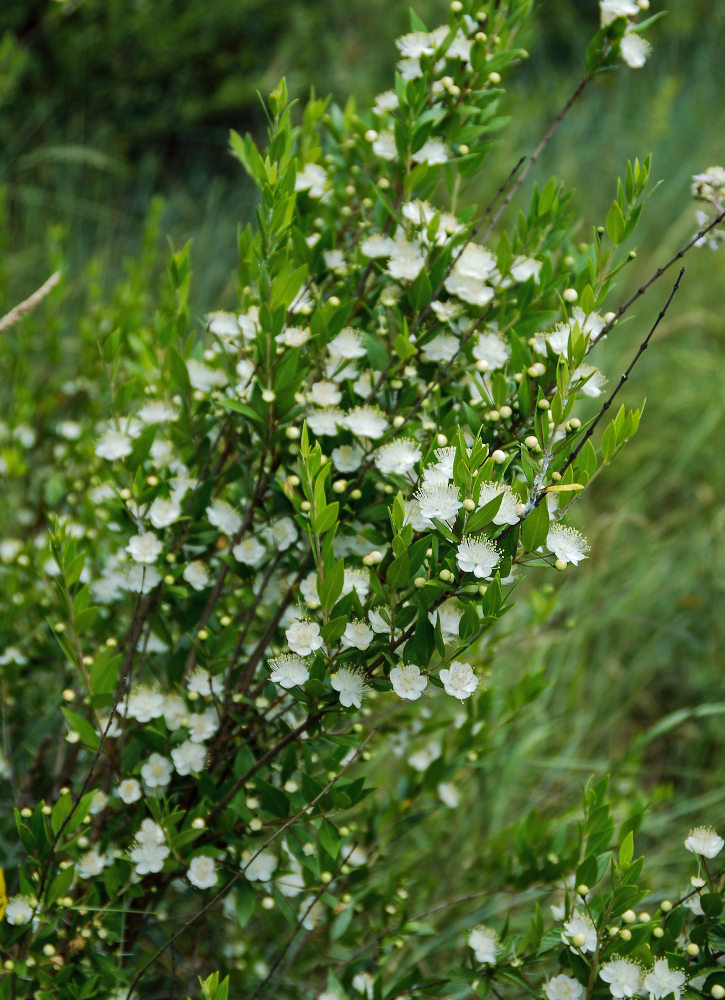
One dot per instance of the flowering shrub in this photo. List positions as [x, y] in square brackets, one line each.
[290, 524]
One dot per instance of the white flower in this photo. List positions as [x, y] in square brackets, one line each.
[156, 412]
[150, 833]
[312, 178]
[174, 711]
[148, 858]
[397, 456]
[357, 635]
[347, 457]
[468, 289]
[202, 872]
[432, 152]
[408, 682]
[196, 575]
[347, 345]
[445, 311]
[580, 933]
[595, 381]
[188, 757]
[385, 102]
[634, 49]
[523, 268]
[410, 69]
[129, 791]
[144, 548]
[203, 377]
[377, 245]
[89, 864]
[349, 685]
[326, 422]
[448, 794]
[362, 982]
[293, 336]
[384, 146]
[377, 622]
[304, 637]
[441, 502]
[98, 803]
[415, 45]
[113, 445]
[366, 421]
[324, 393]
[624, 977]
[203, 683]
[19, 910]
[224, 325]
[156, 772]
[358, 580]
[144, 703]
[449, 614]
[478, 555]
[163, 512]
[475, 261]
[281, 534]
[492, 349]
[507, 512]
[609, 10]
[663, 980]
[459, 681]
[202, 725]
[260, 868]
[484, 941]
[288, 671]
[563, 988]
[249, 551]
[567, 544]
[422, 759]
[141, 579]
[703, 840]
[223, 516]
[406, 260]
[444, 347]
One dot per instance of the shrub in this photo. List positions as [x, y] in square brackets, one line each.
[280, 561]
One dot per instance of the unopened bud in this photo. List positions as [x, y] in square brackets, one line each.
[570, 295]
[499, 456]
[692, 949]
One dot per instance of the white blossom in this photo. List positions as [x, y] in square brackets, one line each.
[189, 757]
[202, 872]
[478, 555]
[357, 635]
[288, 671]
[563, 988]
[663, 981]
[580, 933]
[703, 840]
[397, 456]
[304, 637]
[484, 941]
[459, 680]
[260, 868]
[223, 516]
[156, 772]
[623, 976]
[567, 544]
[350, 686]
[408, 682]
[144, 548]
[196, 575]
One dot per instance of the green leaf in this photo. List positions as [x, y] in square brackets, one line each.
[535, 527]
[615, 224]
[330, 588]
[329, 838]
[398, 573]
[484, 515]
[626, 850]
[83, 727]
[323, 521]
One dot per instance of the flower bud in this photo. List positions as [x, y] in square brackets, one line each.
[355, 494]
[468, 504]
[717, 991]
[339, 486]
[658, 932]
[420, 581]
[570, 295]
[292, 433]
[692, 949]
[629, 916]
[499, 456]
[626, 934]
[560, 564]
[494, 78]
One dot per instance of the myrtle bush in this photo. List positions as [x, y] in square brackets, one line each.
[249, 676]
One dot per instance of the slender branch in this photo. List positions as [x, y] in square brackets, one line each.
[642, 348]
[223, 891]
[533, 159]
[658, 274]
[24, 307]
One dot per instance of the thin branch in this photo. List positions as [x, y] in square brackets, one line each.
[658, 274]
[535, 155]
[642, 348]
[24, 307]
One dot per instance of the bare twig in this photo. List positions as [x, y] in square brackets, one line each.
[24, 307]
